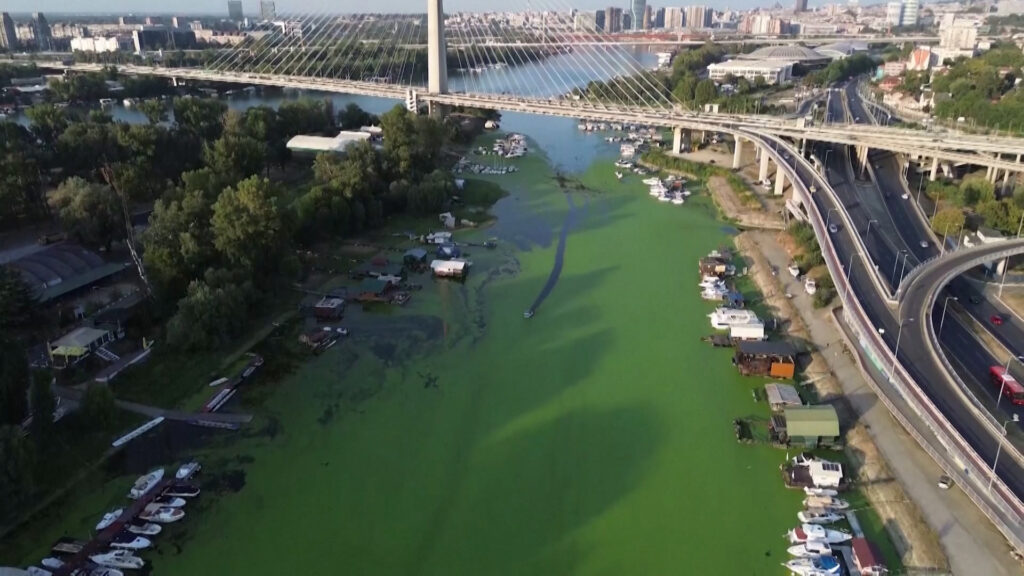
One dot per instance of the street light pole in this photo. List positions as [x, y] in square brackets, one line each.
[868, 231]
[920, 182]
[904, 265]
[1006, 371]
[849, 269]
[1021, 225]
[942, 320]
[944, 232]
[894, 264]
[892, 369]
[999, 449]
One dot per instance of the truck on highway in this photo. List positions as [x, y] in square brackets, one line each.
[1007, 384]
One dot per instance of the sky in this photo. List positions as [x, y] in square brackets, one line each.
[316, 6]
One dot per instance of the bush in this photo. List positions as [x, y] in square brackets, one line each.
[825, 293]
[803, 234]
[949, 219]
[98, 407]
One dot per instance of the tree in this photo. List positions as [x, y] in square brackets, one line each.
[17, 460]
[179, 242]
[154, 110]
[200, 117]
[213, 312]
[48, 122]
[235, 155]
[99, 407]
[354, 117]
[21, 191]
[43, 406]
[14, 381]
[247, 227]
[947, 220]
[17, 302]
[705, 92]
[91, 213]
[399, 141]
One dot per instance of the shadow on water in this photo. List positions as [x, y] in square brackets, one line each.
[552, 487]
[556, 270]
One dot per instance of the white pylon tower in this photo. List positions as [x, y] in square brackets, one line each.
[437, 50]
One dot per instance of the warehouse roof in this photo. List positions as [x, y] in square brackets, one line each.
[61, 268]
[780, 395]
[820, 420]
[766, 348]
[789, 53]
[337, 144]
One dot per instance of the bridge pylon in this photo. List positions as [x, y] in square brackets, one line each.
[437, 50]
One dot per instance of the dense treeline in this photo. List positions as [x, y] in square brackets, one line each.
[977, 196]
[841, 69]
[983, 89]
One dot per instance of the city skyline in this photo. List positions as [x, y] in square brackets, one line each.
[251, 8]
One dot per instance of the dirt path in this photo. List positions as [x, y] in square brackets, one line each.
[917, 543]
[732, 207]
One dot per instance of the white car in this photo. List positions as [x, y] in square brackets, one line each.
[945, 482]
[923, 244]
[905, 196]
[832, 228]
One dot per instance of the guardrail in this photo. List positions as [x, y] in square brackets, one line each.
[960, 460]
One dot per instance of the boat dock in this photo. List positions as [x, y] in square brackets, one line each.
[100, 542]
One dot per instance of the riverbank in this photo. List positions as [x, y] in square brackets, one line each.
[915, 544]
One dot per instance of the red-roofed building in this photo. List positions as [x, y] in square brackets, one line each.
[866, 558]
[889, 83]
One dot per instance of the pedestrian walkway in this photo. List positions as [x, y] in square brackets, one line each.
[971, 543]
[75, 395]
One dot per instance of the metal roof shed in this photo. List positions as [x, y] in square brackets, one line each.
[782, 395]
[810, 424]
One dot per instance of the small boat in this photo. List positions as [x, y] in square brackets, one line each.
[686, 193]
[794, 270]
[36, 571]
[118, 559]
[161, 514]
[106, 101]
[130, 541]
[818, 516]
[128, 102]
[217, 382]
[655, 192]
[810, 549]
[664, 198]
[710, 281]
[182, 490]
[144, 528]
[806, 532]
[811, 491]
[52, 562]
[109, 518]
[651, 181]
[170, 501]
[188, 470]
[618, 175]
[146, 483]
[102, 572]
[678, 199]
[826, 502]
[528, 314]
[820, 566]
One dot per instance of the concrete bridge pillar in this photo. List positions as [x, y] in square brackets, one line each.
[677, 140]
[803, 146]
[988, 173]
[780, 181]
[437, 50]
[935, 169]
[862, 157]
[762, 172]
[737, 153]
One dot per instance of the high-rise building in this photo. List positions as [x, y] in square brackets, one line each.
[627, 21]
[648, 17]
[268, 11]
[41, 31]
[801, 6]
[599, 17]
[698, 17]
[911, 9]
[613, 19]
[659, 18]
[674, 18]
[584, 22]
[235, 10]
[957, 33]
[636, 13]
[894, 13]
[8, 35]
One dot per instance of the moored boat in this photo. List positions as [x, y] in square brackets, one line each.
[651, 181]
[118, 559]
[806, 532]
[826, 502]
[101, 571]
[677, 198]
[811, 491]
[818, 516]
[144, 528]
[182, 490]
[51, 562]
[130, 541]
[618, 175]
[170, 501]
[810, 549]
[161, 514]
[188, 470]
[109, 518]
[146, 483]
[813, 566]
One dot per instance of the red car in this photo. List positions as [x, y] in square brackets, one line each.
[996, 320]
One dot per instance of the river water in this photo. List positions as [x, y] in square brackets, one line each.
[568, 149]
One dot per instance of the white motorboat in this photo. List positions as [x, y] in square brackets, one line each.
[188, 470]
[655, 192]
[161, 514]
[810, 286]
[794, 270]
[36, 571]
[170, 501]
[145, 528]
[677, 198]
[723, 318]
[130, 541]
[118, 559]
[806, 532]
[51, 562]
[651, 181]
[813, 566]
[146, 483]
[811, 491]
[818, 516]
[826, 502]
[664, 198]
[716, 294]
[810, 549]
[102, 572]
[686, 192]
[618, 175]
[109, 518]
[711, 282]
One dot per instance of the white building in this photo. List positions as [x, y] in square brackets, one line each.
[337, 144]
[958, 33]
[674, 17]
[772, 71]
[584, 21]
[825, 474]
[894, 13]
[698, 17]
[911, 10]
[112, 44]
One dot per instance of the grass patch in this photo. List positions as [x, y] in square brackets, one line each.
[481, 192]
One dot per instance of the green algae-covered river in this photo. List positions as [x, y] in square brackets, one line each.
[456, 437]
